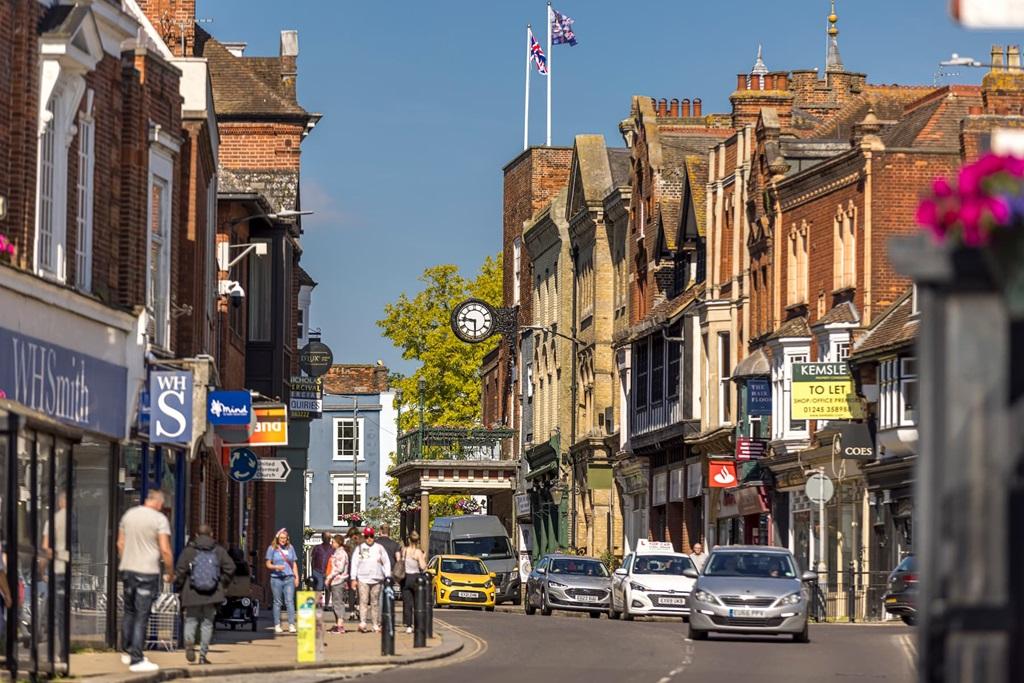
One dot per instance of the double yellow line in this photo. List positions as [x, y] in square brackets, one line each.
[473, 648]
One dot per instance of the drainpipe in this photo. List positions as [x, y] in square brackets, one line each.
[575, 253]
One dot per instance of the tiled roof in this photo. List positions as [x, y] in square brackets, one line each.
[697, 172]
[305, 278]
[794, 327]
[841, 314]
[660, 314]
[618, 160]
[934, 123]
[895, 327]
[888, 103]
[245, 85]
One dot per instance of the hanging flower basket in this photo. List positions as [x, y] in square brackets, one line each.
[982, 211]
[409, 507]
[468, 506]
[7, 249]
[353, 518]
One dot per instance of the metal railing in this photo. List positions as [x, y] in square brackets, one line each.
[452, 443]
[856, 596]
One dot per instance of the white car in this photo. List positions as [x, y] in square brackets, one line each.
[650, 582]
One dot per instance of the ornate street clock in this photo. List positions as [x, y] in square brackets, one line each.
[473, 321]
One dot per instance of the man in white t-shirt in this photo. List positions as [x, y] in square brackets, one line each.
[143, 540]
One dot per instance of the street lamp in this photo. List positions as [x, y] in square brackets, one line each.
[957, 60]
[274, 216]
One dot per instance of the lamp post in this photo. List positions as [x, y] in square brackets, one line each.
[421, 386]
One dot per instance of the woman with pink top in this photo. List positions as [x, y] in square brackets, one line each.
[337, 577]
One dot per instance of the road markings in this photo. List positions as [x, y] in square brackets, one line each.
[908, 644]
[475, 646]
[687, 661]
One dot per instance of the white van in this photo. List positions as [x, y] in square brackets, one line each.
[482, 536]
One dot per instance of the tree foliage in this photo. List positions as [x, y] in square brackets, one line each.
[420, 326]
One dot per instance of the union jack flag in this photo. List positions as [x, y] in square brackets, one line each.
[561, 28]
[537, 56]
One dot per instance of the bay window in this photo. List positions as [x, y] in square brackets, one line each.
[897, 396]
[783, 426]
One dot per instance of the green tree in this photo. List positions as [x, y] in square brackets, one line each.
[450, 368]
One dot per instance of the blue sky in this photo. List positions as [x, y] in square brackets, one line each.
[423, 105]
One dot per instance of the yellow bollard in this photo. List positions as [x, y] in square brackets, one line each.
[307, 640]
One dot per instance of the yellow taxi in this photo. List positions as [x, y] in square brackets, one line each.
[461, 580]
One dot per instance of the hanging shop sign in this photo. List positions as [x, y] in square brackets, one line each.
[748, 448]
[271, 426]
[750, 500]
[824, 391]
[998, 14]
[523, 508]
[68, 386]
[853, 442]
[229, 407]
[170, 410]
[759, 397]
[722, 474]
[306, 400]
[316, 358]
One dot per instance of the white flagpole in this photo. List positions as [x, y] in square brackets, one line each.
[526, 99]
[549, 75]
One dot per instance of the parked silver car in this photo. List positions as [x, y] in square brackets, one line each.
[750, 589]
[568, 582]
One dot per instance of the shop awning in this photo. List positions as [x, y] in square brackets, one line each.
[754, 365]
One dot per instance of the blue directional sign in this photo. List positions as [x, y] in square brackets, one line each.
[243, 465]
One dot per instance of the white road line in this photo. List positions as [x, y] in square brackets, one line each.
[687, 661]
[909, 648]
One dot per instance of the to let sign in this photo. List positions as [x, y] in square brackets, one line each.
[170, 411]
[823, 391]
[307, 397]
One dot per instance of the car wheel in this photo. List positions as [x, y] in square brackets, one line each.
[595, 615]
[254, 625]
[489, 609]
[528, 607]
[698, 635]
[909, 619]
[612, 614]
[804, 636]
[626, 614]
[545, 608]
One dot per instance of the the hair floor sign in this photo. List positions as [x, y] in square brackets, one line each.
[824, 391]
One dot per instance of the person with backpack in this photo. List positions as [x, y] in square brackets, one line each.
[201, 577]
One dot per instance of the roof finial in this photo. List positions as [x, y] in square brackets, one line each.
[833, 62]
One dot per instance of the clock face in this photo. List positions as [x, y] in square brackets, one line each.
[473, 321]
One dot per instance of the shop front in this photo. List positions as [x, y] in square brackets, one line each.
[631, 476]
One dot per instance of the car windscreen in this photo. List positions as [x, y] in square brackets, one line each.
[578, 567]
[666, 565]
[473, 567]
[487, 547]
[752, 564]
[907, 565]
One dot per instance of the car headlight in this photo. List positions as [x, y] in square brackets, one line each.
[446, 581]
[556, 584]
[791, 599]
[637, 586]
[704, 596]
[489, 584]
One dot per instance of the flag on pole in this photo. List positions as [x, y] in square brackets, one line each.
[537, 55]
[561, 28]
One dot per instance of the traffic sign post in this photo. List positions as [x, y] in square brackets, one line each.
[273, 469]
[819, 489]
[243, 465]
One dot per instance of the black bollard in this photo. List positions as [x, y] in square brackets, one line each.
[419, 638]
[387, 618]
[851, 594]
[430, 610]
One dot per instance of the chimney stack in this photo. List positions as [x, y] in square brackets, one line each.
[685, 113]
[289, 60]
[673, 108]
[1013, 57]
[741, 81]
[997, 58]
[697, 107]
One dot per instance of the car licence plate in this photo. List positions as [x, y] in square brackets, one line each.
[466, 594]
[586, 598]
[890, 601]
[750, 613]
[672, 601]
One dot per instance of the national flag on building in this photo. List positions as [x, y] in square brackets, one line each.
[537, 55]
[561, 28]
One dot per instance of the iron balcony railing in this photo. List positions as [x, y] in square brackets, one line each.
[452, 443]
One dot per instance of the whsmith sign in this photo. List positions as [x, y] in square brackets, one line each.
[824, 391]
[66, 385]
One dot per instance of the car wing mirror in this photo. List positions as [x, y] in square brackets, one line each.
[809, 576]
[621, 571]
[493, 575]
[691, 573]
[541, 570]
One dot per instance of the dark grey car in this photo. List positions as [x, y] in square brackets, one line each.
[568, 582]
[749, 589]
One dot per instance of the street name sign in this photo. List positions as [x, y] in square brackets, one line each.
[824, 391]
[273, 469]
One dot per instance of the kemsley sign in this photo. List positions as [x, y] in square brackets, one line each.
[824, 391]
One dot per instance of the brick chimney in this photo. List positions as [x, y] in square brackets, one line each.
[1002, 88]
[756, 93]
[173, 20]
[289, 61]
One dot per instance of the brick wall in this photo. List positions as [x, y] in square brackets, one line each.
[172, 19]
[356, 379]
[260, 145]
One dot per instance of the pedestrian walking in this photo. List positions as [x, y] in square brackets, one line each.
[389, 544]
[414, 560]
[318, 560]
[204, 571]
[336, 579]
[370, 566]
[143, 542]
[284, 578]
[698, 556]
[352, 541]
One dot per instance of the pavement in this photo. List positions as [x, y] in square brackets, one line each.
[238, 655]
[512, 648]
